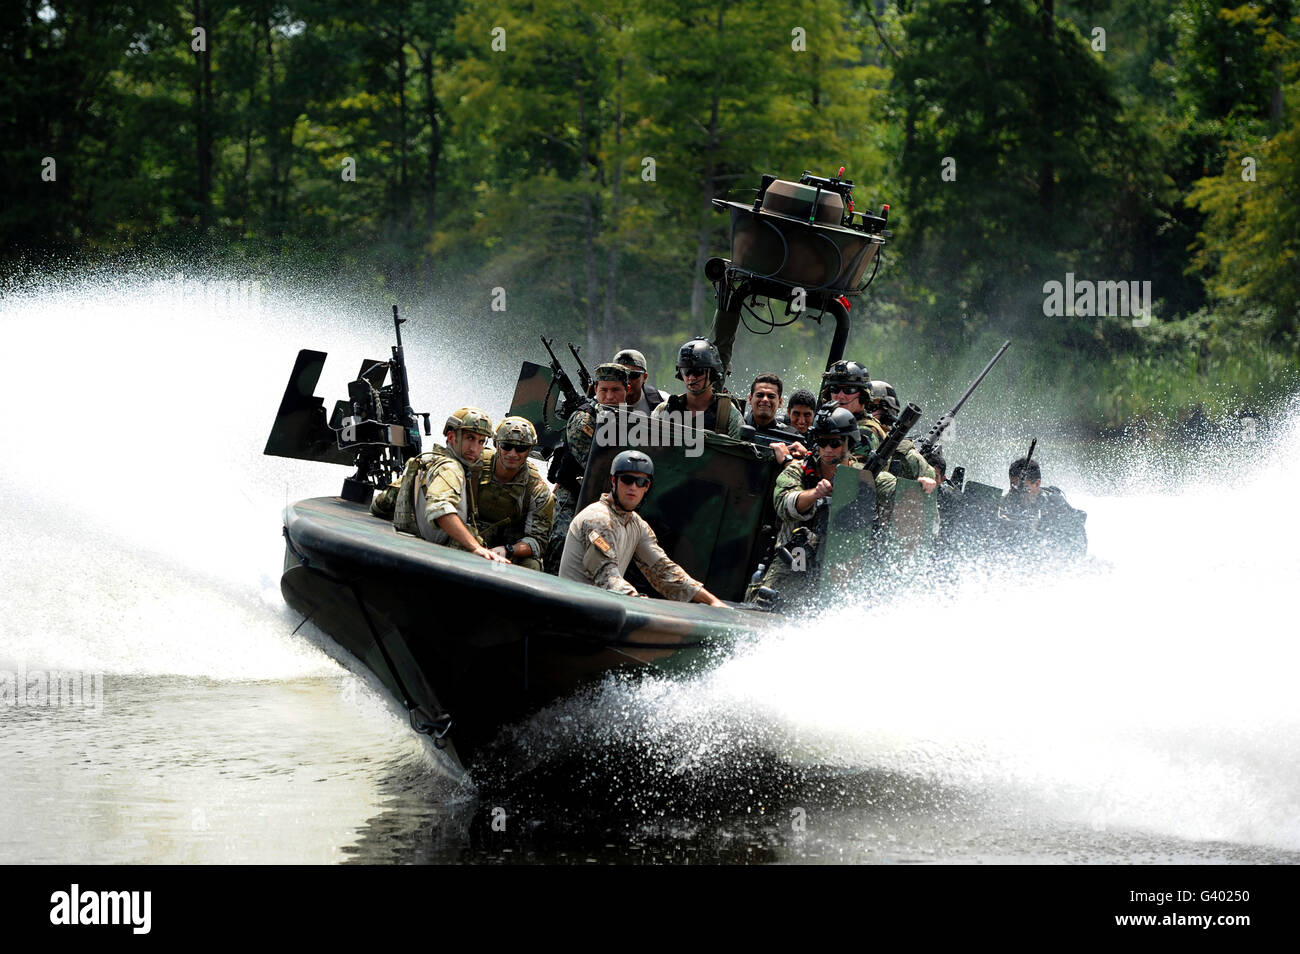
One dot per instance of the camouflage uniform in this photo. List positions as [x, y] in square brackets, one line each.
[795, 586]
[603, 540]
[578, 435]
[913, 465]
[520, 510]
[444, 490]
[382, 504]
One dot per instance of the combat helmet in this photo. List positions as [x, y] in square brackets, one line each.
[884, 396]
[469, 419]
[700, 353]
[845, 372]
[632, 462]
[831, 420]
[515, 430]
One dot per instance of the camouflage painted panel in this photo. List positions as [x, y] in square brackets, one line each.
[706, 510]
[915, 513]
[532, 402]
[845, 551]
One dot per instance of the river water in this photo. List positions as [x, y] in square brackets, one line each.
[1141, 709]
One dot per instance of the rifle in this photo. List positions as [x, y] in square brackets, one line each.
[927, 443]
[572, 399]
[584, 376]
[880, 456]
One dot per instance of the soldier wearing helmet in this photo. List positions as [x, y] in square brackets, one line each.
[883, 409]
[434, 496]
[609, 534]
[514, 507]
[611, 391]
[802, 501]
[700, 368]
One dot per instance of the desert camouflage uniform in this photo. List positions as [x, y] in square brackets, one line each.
[520, 510]
[603, 540]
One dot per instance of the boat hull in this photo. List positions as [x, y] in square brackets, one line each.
[470, 646]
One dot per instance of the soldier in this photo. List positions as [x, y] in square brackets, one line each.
[609, 534]
[802, 501]
[611, 391]
[641, 394]
[799, 411]
[514, 507]
[700, 369]
[434, 498]
[907, 460]
[848, 384]
[1035, 516]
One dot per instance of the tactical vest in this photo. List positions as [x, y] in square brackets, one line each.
[501, 507]
[408, 513]
[678, 403]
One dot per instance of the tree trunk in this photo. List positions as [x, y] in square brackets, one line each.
[203, 118]
[435, 142]
[272, 130]
[702, 244]
[611, 265]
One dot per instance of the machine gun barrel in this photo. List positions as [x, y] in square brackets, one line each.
[402, 396]
[584, 376]
[927, 443]
[879, 458]
[1020, 484]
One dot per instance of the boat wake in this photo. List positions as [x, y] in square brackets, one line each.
[1146, 695]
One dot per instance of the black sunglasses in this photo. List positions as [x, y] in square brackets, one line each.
[831, 442]
[633, 375]
[518, 448]
[629, 480]
[846, 389]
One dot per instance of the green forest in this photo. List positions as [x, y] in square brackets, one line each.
[569, 151]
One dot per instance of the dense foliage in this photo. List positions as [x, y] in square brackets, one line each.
[568, 150]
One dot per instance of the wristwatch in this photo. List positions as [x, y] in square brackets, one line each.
[510, 551]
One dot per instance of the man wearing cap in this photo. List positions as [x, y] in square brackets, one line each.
[611, 391]
[641, 394]
[609, 534]
[514, 507]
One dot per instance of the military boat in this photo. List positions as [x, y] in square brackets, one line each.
[469, 646]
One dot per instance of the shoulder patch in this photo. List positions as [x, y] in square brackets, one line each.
[601, 543]
[588, 429]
